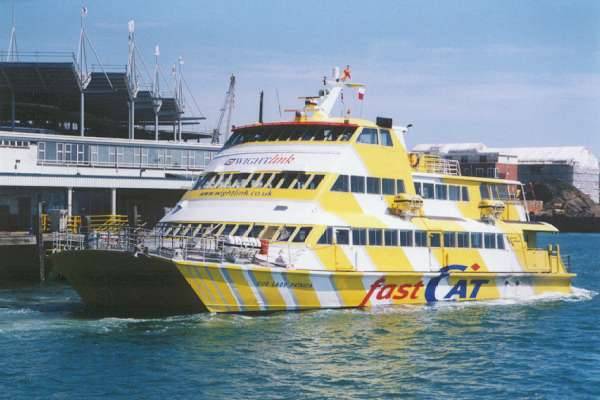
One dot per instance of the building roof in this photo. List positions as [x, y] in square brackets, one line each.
[572, 155]
[578, 156]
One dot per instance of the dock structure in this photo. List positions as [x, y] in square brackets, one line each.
[89, 143]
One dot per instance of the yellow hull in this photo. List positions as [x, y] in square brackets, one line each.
[234, 288]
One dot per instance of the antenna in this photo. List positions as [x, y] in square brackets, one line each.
[260, 107]
[278, 102]
[12, 54]
[156, 100]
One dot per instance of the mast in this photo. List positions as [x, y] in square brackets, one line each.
[156, 100]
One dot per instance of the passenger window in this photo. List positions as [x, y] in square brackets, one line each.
[462, 239]
[309, 133]
[302, 178]
[386, 138]
[314, 182]
[357, 184]
[449, 239]
[228, 229]
[390, 237]
[375, 237]
[341, 184]
[428, 192]
[435, 240]
[270, 232]
[302, 234]
[276, 181]
[368, 136]
[465, 193]
[500, 241]
[489, 240]
[285, 233]
[326, 237]
[342, 236]
[476, 240]
[241, 230]
[418, 188]
[484, 190]
[454, 192]
[347, 134]
[441, 192]
[359, 237]
[256, 230]
[254, 181]
[288, 179]
[406, 238]
[387, 186]
[264, 180]
[420, 239]
[400, 186]
[373, 185]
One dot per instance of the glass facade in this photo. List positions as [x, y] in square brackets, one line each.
[123, 156]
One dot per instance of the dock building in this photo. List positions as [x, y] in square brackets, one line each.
[575, 165]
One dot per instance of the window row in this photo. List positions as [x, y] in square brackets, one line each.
[500, 191]
[280, 233]
[23, 144]
[121, 156]
[441, 191]
[368, 184]
[375, 136]
[295, 132]
[409, 238]
[257, 180]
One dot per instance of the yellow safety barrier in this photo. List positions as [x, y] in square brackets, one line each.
[45, 223]
[73, 223]
[109, 222]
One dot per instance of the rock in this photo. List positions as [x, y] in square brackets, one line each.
[563, 199]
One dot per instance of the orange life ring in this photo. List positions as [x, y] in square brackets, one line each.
[414, 160]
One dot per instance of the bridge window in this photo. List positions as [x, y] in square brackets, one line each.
[476, 240]
[386, 138]
[228, 229]
[302, 234]
[292, 132]
[462, 239]
[375, 237]
[269, 232]
[373, 185]
[359, 236]
[357, 184]
[368, 136]
[265, 178]
[341, 184]
[406, 238]
[390, 237]
[241, 230]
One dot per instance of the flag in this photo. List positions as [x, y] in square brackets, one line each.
[361, 93]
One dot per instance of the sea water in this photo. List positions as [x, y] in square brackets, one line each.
[543, 348]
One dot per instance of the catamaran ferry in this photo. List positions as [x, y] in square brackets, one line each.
[322, 212]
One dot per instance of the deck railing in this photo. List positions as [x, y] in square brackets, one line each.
[434, 164]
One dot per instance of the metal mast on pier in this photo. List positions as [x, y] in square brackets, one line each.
[226, 112]
[132, 79]
[156, 100]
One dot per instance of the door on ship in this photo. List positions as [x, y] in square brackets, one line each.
[436, 251]
[341, 240]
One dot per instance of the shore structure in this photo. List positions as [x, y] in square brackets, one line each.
[321, 212]
[88, 147]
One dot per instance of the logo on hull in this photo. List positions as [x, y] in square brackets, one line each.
[460, 290]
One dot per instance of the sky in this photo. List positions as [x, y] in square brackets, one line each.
[504, 73]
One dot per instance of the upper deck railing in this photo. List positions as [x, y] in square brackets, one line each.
[434, 164]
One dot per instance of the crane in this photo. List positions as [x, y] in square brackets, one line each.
[225, 113]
